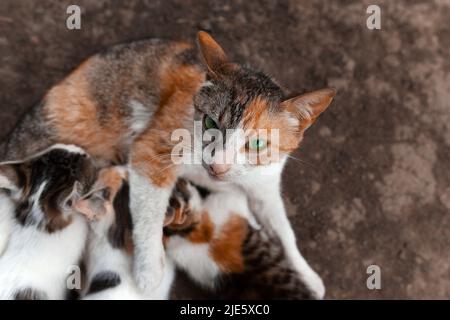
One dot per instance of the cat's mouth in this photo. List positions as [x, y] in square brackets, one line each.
[218, 177]
[217, 174]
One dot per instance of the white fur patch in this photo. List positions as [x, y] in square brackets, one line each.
[292, 121]
[68, 147]
[207, 84]
[140, 116]
[36, 211]
[39, 260]
[195, 259]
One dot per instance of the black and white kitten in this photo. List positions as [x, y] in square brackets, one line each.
[42, 235]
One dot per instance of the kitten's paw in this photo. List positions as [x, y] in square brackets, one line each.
[182, 211]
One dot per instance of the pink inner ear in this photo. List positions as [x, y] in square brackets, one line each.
[83, 207]
[93, 208]
[310, 105]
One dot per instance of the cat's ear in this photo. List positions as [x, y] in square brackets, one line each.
[213, 55]
[10, 176]
[307, 107]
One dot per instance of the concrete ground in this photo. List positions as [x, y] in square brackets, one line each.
[372, 185]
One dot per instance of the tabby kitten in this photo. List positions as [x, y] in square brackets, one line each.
[217, 243]
[44, 234]
[127, 101]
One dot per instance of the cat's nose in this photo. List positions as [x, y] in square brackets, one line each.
[219, 169]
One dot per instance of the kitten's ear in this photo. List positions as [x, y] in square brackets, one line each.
[307, 107]
[73, 197]
[96, 204]
[213, 54]
[10, 176]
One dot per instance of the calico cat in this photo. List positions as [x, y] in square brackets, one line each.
[216, 241]
[109, 251]
[45, 235]
[126, 102]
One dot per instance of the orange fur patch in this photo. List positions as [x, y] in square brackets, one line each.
[151, 152]
[257, 116]
[226, 249]
[203, 231]
[73, 114]
[111, 178]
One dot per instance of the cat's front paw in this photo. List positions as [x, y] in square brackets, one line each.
[148, 276]
[315, 284]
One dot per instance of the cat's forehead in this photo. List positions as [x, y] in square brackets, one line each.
[230, 98]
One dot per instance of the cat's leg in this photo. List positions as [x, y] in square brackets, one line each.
[153, 173]
[148, 203]
[267, 205]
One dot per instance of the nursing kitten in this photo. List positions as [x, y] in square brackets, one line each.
[109, 251]
[45, 234]
[127, 101]
[217, 243]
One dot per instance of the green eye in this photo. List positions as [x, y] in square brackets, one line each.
[209, 123]
[257, 144]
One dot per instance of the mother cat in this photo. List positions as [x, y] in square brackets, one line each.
[123, 105]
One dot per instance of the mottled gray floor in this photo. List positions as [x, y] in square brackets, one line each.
[373, 182]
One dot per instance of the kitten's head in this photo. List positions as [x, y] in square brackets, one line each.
[107, 206]
[45, 187]
[108, 196]
[237, 97]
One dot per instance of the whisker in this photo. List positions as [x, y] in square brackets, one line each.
[301, 161]
[165, 168]
[160, 156]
